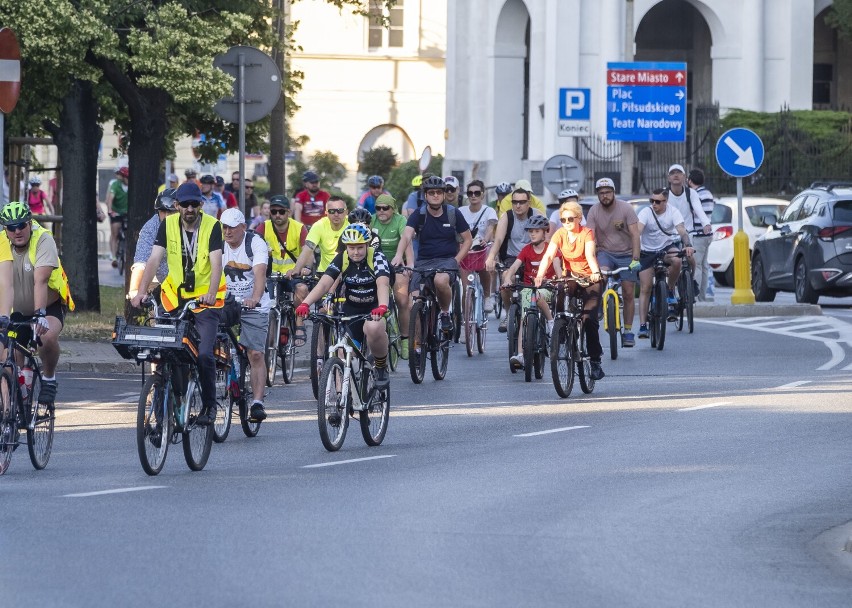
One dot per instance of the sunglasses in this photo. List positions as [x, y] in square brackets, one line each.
[434, 193]
[249, 187]
[472, 193]
[655, 201]
[336, 211]
[449, 189]
[517, 202]
[17, 227]
[568, 220]
[279, 211]
[382, 207]
[187, 204]
[375, 187]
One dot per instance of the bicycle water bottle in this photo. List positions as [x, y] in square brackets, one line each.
[25, 379]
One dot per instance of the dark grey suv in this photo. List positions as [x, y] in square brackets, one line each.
[808, 250]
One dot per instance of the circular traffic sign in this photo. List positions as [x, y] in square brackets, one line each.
[10, 70]
[739, 152]
[262, 84]
[561, 172]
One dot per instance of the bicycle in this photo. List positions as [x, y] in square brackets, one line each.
[534, 341]
[613, 309]
[658, 309]
[428, 342]
[686, 292]
[321, 337]
[394, 335]
[20, 387]
[568, 353]
[281, 331]
[513, 316]
[170, 400]
[474, 318]
[121, 249]
[347, 385]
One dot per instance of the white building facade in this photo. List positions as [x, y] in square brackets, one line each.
[507, 60]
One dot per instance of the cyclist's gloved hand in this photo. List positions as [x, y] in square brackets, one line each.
[379, 311]
[303, 310]
[41, 325]
[634, 265]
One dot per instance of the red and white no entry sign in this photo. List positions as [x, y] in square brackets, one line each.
[10, 70]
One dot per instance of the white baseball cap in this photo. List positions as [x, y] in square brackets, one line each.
[604, 182]
[674, 168]
[523, 184]
[452, 181]
[232, 217]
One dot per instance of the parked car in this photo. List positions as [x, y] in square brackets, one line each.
[808, 249]
[724, 219]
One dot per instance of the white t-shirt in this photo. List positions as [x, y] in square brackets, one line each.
[681, 204]
[239, 273]
[654, 239]
[485, 215]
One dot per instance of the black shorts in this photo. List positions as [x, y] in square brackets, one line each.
[647, 258]
[117, 219]
[357, 328]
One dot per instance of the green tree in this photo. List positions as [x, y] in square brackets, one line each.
[377, 161]
[399, 181]
[839, 16]
[325, 164]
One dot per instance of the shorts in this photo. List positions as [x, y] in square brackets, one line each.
[118, 219]
[613, 261]
[526, 297]
[647, 258]
[448, 265]
[475, 260]
[253, 329]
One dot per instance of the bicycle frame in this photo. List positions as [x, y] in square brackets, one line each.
[29, 357]
[352, 354]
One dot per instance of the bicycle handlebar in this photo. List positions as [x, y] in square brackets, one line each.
[615, 272]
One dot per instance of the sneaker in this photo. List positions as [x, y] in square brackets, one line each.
[446, 323]
[672, 313]
[403, 348]
[627, 340]
[48, 391]
[643, 331]
[503, 322]
[671, 299]
[488, 304]
[517, 361]
[381, 380]
[597, 371]
[207, 417]
[257, 414]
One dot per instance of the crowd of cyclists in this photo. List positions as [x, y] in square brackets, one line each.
[372, 258]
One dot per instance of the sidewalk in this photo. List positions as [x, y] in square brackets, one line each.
[721, 307]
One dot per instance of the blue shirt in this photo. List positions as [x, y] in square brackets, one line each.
[437, 237]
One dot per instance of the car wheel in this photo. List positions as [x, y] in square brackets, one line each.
[805, 294]
[762, 291]
[721, 278]
[729, 275]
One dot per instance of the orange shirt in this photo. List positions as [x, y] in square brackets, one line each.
[574, 254]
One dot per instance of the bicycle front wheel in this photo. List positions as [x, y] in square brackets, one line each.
[611, 326]
[197, 440]
[374, 419]
[287, 351]
[222, 424]
[153, 425]
[584, 365]
[562, 356]
[7, 419]
[469, 325]
[513, 316]
[417, 328]
[661, 313]
[530, 331]
[393, 335]
[689, 302]
[270, 354]
[332, 406]
[681, 301]
[250, 427]
[42, 421]
[441, 354]
[481, 328]
[319, 353]
[457, 310]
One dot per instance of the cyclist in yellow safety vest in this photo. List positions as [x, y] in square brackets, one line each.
[192, 244]
[285, 238]
[33, 283]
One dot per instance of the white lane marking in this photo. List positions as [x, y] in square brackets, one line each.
[793, 384]
[336, 462]
[116, 491]
[548, 432]
[704, 407]
[465, 404]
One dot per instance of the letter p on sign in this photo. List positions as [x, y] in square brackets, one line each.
[574, 104]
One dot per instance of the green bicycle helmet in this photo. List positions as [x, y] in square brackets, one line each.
[15, 212]
[355, 234]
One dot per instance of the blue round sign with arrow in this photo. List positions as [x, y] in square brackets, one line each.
[739, 152]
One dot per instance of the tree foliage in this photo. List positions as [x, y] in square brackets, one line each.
[399, 181]
[839, 16]
[378, 161]
[326, 164]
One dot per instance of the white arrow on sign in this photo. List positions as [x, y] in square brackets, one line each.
[679, 76]
[744, 157]
[679, 94]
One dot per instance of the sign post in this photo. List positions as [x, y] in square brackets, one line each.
[10, 81]
[739, 153]
[646, 101]
[255, 71]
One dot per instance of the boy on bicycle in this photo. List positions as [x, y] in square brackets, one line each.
[365, 276]
[530, 257]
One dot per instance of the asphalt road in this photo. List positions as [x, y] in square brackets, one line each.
[709, 474]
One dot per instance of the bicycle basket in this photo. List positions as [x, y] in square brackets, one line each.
[139, 341]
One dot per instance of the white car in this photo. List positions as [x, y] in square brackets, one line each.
[724, 223]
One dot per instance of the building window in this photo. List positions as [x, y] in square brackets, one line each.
[379, 35]
[823, 77]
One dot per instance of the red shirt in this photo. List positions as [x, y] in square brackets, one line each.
[532, 261]
[230, 200]
[574, 254]
[313, 206]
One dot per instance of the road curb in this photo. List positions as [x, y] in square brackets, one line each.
[760, 309]
[122, 366]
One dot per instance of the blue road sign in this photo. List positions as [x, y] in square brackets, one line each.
[574, 104]
[739, 152]
[646, 101]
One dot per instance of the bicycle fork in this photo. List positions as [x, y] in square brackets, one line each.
[614, 294]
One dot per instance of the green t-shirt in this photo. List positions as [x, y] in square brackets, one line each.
[389, 233]
[119, 197]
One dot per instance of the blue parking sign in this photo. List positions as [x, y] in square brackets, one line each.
[574, 104]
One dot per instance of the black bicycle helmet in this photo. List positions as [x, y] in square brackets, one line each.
[359, 215]
[433, 182]
[537, 221]
[166, 200]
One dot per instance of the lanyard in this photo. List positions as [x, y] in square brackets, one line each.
[191, 248]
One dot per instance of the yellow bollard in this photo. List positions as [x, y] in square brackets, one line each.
[742, 271]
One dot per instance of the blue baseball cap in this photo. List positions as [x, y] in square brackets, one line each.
[188, 192]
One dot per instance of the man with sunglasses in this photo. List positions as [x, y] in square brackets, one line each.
[451, 191]
[285, 238]
[535, 202]
[482, 220]
[510, 237]
[191, 243]
[660, 226]
[164, 205]
[616, 230]
[38, 286]
[323, 237]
